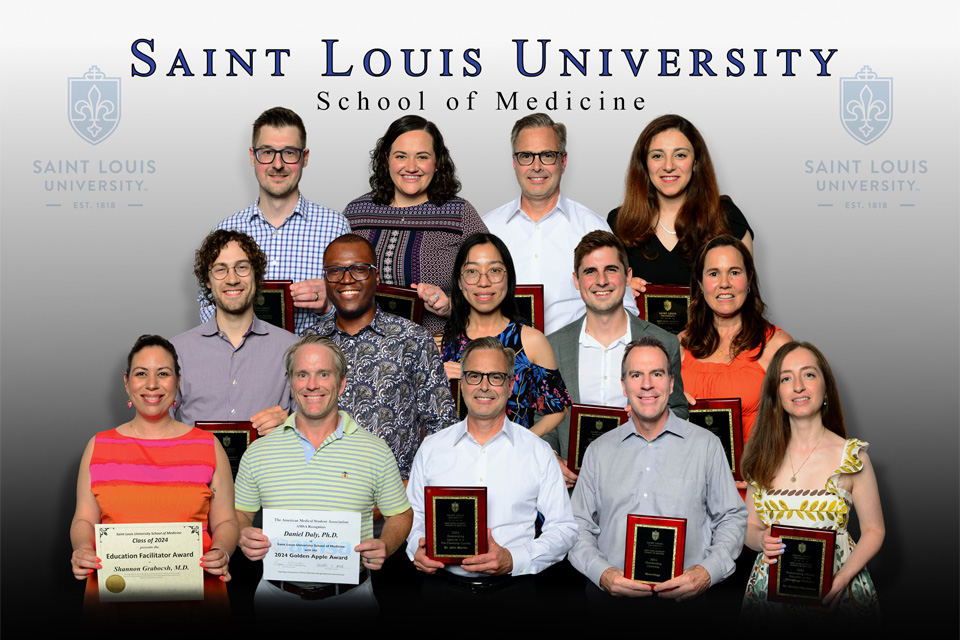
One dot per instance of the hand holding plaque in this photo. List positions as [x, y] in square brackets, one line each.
[587, 423]
[274, 304]
[455, 523]
[665, 306]
[803, 573]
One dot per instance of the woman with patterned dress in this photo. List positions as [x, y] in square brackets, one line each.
[412, 215]
[483, 305]
[155, 469]
[672, 204]
[804, 471]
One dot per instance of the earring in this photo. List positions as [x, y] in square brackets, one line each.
[129, 404]
[175, 404]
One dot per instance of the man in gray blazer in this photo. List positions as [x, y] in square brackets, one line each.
[589, 350]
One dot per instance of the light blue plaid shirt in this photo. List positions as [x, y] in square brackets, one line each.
[294, 249]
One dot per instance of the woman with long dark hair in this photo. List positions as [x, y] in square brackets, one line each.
[412, 214]
[804, 471]
[728, 341]
[672, 204]
[483, 304]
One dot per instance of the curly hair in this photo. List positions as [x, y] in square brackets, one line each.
[443, 187]
[767, 446]
[149, 340]
[460, 308]
[701, 217]
[213, 244]
[701, 337]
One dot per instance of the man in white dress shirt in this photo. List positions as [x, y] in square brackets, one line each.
[522, 478]
[542, 227]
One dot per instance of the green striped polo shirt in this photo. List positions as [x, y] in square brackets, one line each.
[353, 472]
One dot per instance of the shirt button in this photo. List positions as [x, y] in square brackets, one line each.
[232, 411]
[276, 232]
[234, 383]
[536, 255]
[644, 495]
[275, 263]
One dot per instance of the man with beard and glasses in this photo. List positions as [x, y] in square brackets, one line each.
[233, 363]
[290, 229]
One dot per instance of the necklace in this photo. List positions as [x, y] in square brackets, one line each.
[673, 233]
[793, 478]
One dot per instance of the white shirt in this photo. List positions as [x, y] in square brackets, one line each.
[600, 369]
[522, 477]
[542, 253]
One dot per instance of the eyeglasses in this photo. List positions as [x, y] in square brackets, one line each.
[496, 378]
[289, 155]
[525, 158]
[219, 271]
[494, 275]
[358, 271]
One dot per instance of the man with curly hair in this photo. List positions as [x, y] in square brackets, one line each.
[290, 229]
[232, 364]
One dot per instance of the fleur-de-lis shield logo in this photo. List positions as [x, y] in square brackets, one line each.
[866, 105]
[93, 105]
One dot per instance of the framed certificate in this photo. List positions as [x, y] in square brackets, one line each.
[456, 522]
[723, 418]
[587, 423]
[654, 552]
[400, 301]
[529, 299]
[234, 437]
[665, 305]
[150, 561]
[274, 304]
[803, 573]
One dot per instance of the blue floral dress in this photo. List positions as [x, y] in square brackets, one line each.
[536, 390]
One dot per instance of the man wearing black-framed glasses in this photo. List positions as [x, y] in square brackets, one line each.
[542, 227]
[293, 231]
[522, 479]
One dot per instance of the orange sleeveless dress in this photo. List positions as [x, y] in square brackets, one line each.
[741, 378]
[168, 480]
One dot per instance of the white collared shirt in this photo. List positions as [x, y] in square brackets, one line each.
[522, 477]
[542, 253]
[599, 369]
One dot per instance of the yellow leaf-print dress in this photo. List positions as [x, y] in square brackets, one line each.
[827, 508]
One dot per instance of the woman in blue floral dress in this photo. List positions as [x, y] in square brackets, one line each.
[483, 304]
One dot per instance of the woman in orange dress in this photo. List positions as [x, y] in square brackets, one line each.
[728, 342]
[155, 469]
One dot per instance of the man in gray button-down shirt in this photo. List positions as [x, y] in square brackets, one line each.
[233, 363]
[656, 465]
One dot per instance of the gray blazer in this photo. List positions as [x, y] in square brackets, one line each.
[566, 349]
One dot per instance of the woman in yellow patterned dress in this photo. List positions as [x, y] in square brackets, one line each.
[804, 471]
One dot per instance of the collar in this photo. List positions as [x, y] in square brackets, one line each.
[211, 328]
[563, 206]
[346, 426]
[674, 425]
[328, 324]
[586, 340]
[299, 209]
[461, 434]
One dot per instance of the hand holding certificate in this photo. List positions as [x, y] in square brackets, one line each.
[144, 562]
[312, 546]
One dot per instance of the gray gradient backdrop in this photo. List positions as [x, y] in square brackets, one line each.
[874, 288]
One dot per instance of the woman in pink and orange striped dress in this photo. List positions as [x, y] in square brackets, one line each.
[154, 469]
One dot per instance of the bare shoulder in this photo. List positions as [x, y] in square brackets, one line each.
[537, 348]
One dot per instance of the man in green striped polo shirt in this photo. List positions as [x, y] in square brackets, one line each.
[320, 459]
